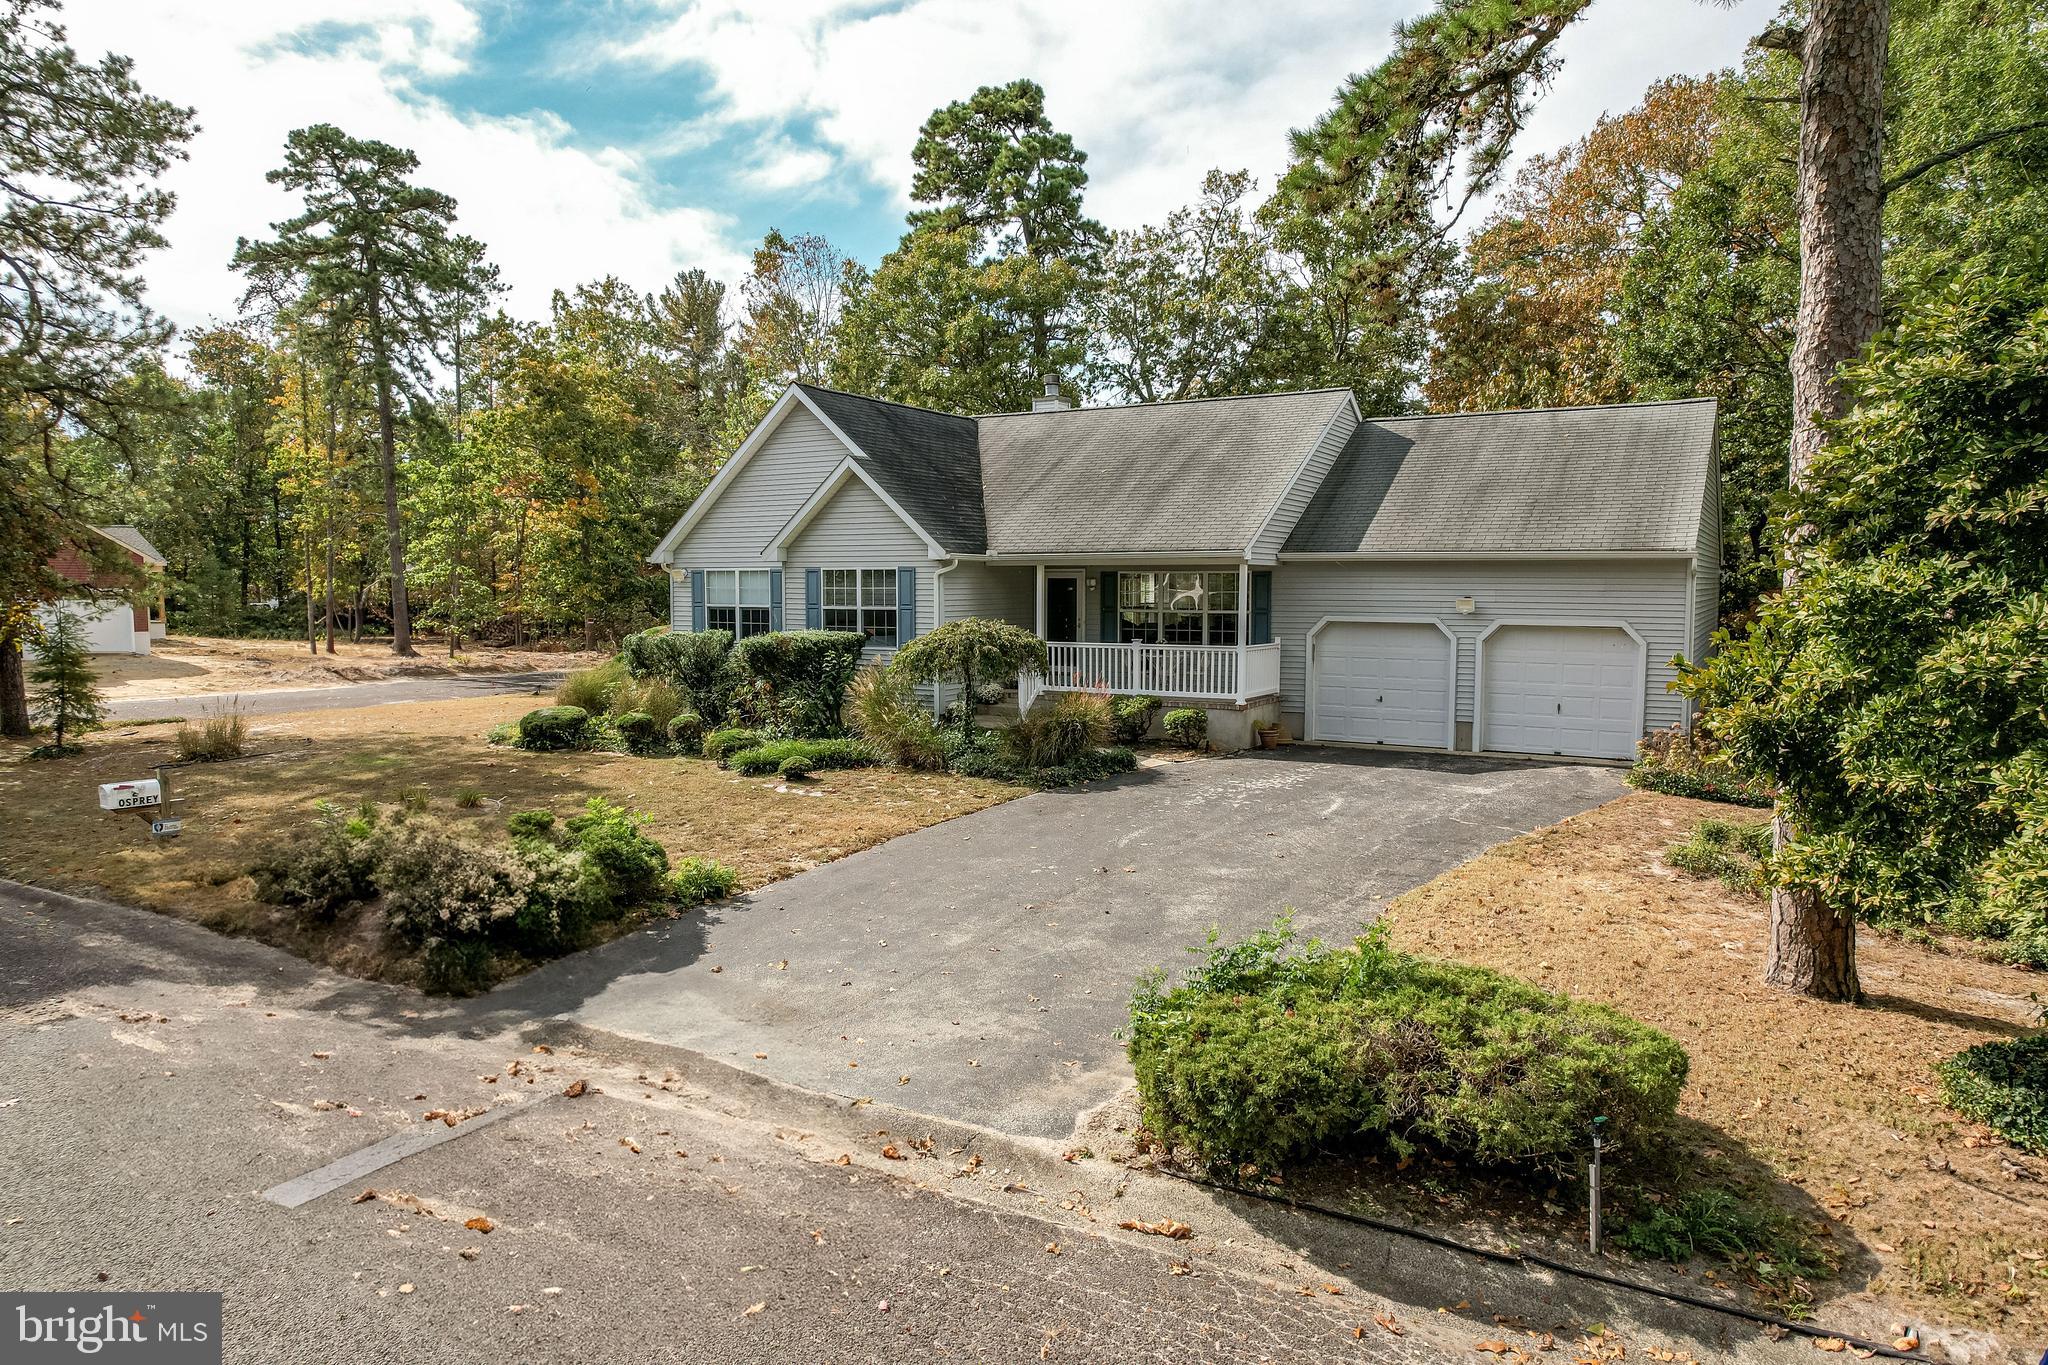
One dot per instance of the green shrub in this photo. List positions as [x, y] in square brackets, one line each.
[698, 664]
[322, 875]
[220, 735]
[1187, 726]
[1059, 729]
[1131, 718]
[621, 867]
[532, 824]
[554, 728]
[1274, 1052]
[504, 732]
[797, 679]
[653, 697]
[818, 754]
[1761, 1238]
[2004, 1086]
[1733, 852]
[969, 651]
[794, 768]
[592, 688]
[469, 798]
[455, 966]
[1680, 764]
[721, 745]
[413, 801]
[1083, 767]
[885, 713]
[639, 731]
[697, 880]
[439, 884]
[650, 653]
[686, 733]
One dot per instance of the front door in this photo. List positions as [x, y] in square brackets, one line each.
[1063, 609]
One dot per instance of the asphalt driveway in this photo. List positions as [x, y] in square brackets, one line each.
[979, 969]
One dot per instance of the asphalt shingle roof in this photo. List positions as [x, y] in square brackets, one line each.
[1197, 477]
[925, 460]
[1624, 477]
[130, 538]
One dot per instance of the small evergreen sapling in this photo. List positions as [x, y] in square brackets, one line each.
[65, 693]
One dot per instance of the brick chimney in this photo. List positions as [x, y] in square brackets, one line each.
[1052, 400]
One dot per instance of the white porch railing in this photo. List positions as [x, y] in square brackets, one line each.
[1208, 672]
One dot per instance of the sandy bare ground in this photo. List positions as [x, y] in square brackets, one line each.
[184, 665]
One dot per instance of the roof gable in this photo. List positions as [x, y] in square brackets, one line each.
[1620, 479]
[926, 464]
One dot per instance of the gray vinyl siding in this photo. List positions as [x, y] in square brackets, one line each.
[778, 479]
[1649, 596]
[1297, 497]
[678, 602]
[992, 592]
[856, 530]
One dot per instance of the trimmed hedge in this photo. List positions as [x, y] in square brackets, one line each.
[815, 755]
[686, 733]
[2004, 1086]
[1130, 718]
[554, 727]
[1187, 725]
[721, 745]
[797, 679]
[1273, 1052]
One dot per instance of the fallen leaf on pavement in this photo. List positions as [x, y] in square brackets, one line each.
[1388, 1321]
[470, 1253]
[322, 1056]
[365, 1197]
[576, 1088]
[629, 1145]
[480, 1224]
[843, 1159]
[755, 1309]
[1165, 1227]
[1052, 1248]
[893, 1155]
[1830, 1344]
[1906, 1343]
[405, 1289]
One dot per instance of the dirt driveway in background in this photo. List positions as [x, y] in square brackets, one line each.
[980, 969]
[183, 666]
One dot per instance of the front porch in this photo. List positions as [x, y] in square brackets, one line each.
[1189, 635]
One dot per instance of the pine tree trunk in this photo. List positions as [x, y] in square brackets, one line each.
[387, 461]
[13, 691]
[1841, 254]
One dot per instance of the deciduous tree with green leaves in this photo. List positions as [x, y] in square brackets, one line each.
[968, 651]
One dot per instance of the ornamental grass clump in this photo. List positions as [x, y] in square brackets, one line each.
[1275, 1051]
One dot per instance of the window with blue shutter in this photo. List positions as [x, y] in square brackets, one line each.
[1109, 630]
[814, 604]
[775, 599]
[696, 599]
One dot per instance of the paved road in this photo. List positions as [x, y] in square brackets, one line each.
[989, 959]
[271, 701]
[155, 1078]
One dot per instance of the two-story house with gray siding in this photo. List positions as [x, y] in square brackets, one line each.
[1497, 582]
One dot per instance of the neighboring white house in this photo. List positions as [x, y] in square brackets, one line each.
[1507, 582]
[124, 621]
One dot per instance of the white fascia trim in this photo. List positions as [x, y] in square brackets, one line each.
[848, 468]
[1586, 622]
[1397, 556]
[1351, 401]
[1308, 714]
[737, 461]
[1086, 559]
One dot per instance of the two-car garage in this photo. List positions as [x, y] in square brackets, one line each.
[1568, 689]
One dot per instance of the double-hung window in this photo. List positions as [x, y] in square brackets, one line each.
[1177, 608]
[862, 600]
[738, 600]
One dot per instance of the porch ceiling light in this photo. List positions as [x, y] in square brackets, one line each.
[1466, 606]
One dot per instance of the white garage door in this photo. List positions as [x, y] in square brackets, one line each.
[1575, 690]
[1383, 684]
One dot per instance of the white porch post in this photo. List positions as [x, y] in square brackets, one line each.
[1041, 601]
[1244, 619]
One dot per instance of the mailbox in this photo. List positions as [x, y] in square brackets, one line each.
[131, 795]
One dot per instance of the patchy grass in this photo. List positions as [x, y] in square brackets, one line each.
[1831, 1112]
[56, 836]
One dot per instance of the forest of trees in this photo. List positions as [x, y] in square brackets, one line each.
[368, 442]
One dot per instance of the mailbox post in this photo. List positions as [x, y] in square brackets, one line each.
[144, 796]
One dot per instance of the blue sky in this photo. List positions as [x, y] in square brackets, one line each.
[640, 137]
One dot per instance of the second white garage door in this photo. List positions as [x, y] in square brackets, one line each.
[1573, 690]
[1383, 683]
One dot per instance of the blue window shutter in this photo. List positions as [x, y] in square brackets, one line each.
[775, 599]
[814, 599]
[1109, 609]
[1262, 607]
[906, 603]
[696, 599]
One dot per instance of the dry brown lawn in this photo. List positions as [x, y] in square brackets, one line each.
[183, 665]
[1838, 1103]
[53, 834]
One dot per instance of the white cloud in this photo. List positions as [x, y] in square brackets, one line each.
[1156, 93]
[552, 213]
[781, 166]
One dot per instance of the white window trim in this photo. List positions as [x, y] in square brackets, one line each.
[1234, 613]
[736, 606]
[860, 607]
